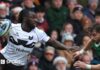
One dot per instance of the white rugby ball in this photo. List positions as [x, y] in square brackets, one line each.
[4, 27]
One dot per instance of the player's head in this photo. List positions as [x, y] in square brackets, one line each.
[29, 19]
[96, 32]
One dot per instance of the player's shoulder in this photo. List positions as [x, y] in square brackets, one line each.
[15, 25]
[37, 30]
[5, 19]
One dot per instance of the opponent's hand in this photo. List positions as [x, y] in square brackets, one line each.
[80, 64]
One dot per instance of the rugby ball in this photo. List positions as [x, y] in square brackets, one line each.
[4, 27]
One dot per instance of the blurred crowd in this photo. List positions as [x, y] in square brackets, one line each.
[64, 20]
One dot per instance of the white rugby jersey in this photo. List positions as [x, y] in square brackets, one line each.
[21, 43]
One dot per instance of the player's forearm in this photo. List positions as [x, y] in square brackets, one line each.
[88, 46]
[58, 45]
[95, 67]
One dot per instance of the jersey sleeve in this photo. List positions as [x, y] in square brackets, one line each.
[43, 36]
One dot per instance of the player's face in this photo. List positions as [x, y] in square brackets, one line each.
[96, 35]
[31, 20]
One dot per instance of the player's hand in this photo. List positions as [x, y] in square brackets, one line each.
[76, 54]
[80, 64]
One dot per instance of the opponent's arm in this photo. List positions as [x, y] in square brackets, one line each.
[85, 48]
[87, 66]
[96, 67]
[88, 46]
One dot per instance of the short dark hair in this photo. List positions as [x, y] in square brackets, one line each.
[24, 13]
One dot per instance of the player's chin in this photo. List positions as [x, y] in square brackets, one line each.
[32, 26]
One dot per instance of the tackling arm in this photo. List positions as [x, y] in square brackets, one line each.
[95, 67]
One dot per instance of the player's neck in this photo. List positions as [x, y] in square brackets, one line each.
[25, 28]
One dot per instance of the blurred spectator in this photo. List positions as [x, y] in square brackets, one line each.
[68, 29]
[57, 14]
[97, 17]
[76, 22]
[46, 62]
[3, 10]
[90, 10]
[54, 34]
[32, 65]
[42, 23]
[78, 14]
[80, 24]
[71, 4]
[87, 23]
[47, 4]
[15, 14]
[68, 40]
[60, 63]
[28, 4]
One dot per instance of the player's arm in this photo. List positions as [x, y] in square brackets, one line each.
[88, 46]
[85, 48]
[59, 45]
[96, 67]
[56, 44]
[87, 66]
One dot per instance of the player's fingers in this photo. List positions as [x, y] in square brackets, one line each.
[76, 64]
